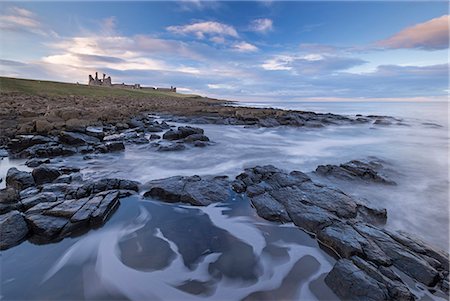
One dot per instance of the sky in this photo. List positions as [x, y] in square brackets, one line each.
[249, 51]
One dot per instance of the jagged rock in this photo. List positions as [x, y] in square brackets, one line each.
[44, 174]
[355, 169]
[364, 282]
[13, 229]
[43, 197]
[45, 226]
[19, 180]
[343, 224]
[47, 150]
[193, 190]
[9, 198]
[72, 138]
[21, 142]
[182, 132]
[36, 162]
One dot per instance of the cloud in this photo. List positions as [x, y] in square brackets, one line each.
[198, 5]
[18, 19]
[312, 63]
[201, 29]
[430, 35]
[261, 25]
[244, 47]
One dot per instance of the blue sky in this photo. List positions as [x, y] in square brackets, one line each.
[251, 51]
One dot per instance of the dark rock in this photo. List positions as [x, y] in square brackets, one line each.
[13, 229]
[19, 180]
[350, 282]
[355, 169]
[21, 142]
[9, 198]
[44, 226]
[36, 162]
[193, 190]
[182, 132]
[44, 174]
[43, 197]
[343, 224]
[114, 146]
[200, 143]
[73, 138]
[154, 137]
[196, 137]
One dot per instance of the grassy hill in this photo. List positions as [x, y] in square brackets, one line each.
[50, 88]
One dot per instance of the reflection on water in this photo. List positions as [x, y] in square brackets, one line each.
[150, 250]
[155, 251]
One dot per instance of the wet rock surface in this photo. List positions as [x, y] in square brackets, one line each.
[368, 255]
[369, 171]
[337, 221]
[194, 190]
[273, 118]
[48, 204]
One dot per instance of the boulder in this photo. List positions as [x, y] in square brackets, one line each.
[73, 138]
[182, 132]
[13, 229]
[19, 180]
[44, 174]
[43, 126]
[9, 198]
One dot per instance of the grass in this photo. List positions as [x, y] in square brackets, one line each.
[50, 88]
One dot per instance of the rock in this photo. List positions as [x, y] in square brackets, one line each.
[43, 197]
[343, 224]
[200, 143]
[154, 137]
[13, 229]
[36, 162]
[21, 142]
[47, 150]
[9, 198]
[44, 174]
[43, 126]
[350, 282]
[193, 190]
[182, 132]
[196, 137]
[75, 124]
[114, 146]
[19, 180]
[72, 138]
[44, 226]
[355, 170]
[171, 147]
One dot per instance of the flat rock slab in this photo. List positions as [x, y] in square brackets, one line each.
[356, 170]
[58, 204]
[195, 190]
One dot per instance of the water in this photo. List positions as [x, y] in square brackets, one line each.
[173, 252]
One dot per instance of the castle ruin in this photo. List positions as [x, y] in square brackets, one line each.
[106, 82]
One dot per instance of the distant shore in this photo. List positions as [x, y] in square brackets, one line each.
[31, 106]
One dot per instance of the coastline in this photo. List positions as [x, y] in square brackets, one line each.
[100, 125]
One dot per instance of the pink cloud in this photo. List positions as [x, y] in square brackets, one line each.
[433, 34]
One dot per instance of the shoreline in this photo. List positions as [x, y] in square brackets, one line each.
[51, 203]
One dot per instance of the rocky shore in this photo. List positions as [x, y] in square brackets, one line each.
[51, 203]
